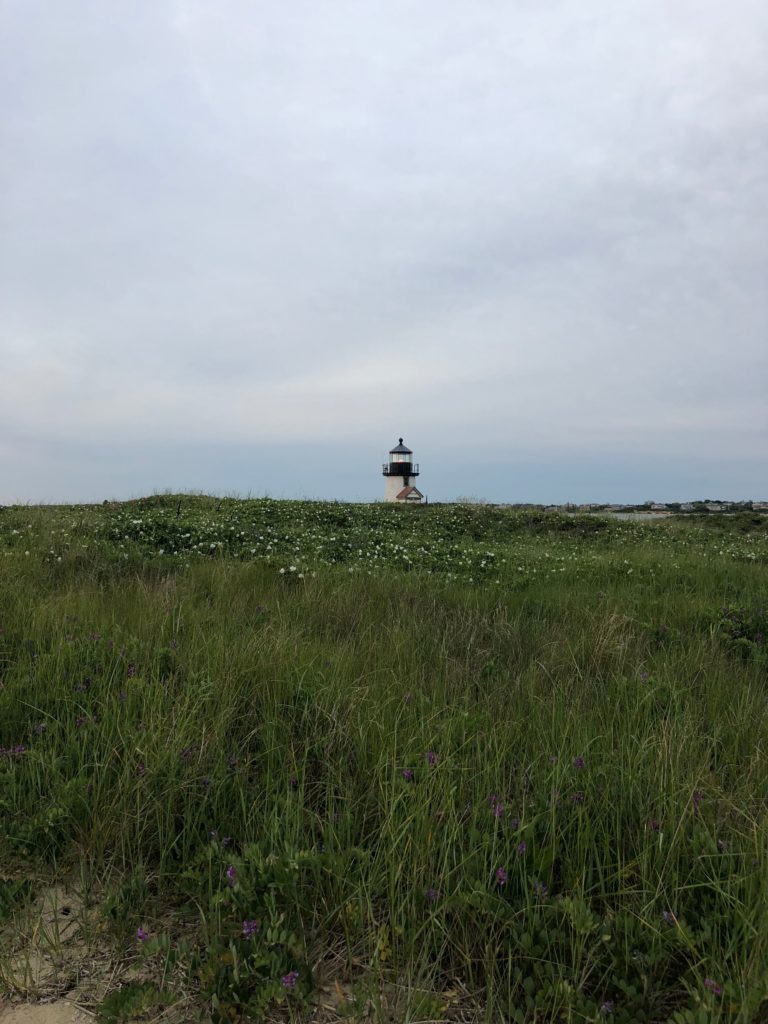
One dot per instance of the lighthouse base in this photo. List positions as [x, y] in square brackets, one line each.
[400, 491]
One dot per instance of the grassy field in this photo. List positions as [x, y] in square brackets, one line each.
[307, 761]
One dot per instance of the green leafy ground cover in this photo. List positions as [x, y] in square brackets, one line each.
[318, 761]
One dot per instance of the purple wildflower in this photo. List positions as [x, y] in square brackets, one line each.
[497, 810]
[80, 721]
[131, 670]
[514, 824]
[40, 728]
[713, 986]
[432, 895]
[231, 875]
[697, 798]
[294, 782]
[540, 889]
[10, 752]
[578, 798]
[501, 876]
[289, 980]
[431, 757]
[607, 1008]
[407, 774]
[521, 848]
[654, 825]
[578, 762]
[227, 841]
[141, 770]
[250, 928]
[141, 935]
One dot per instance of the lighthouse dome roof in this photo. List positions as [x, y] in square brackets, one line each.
[400, 449]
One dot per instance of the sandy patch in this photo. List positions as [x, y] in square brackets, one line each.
[60, 1012]
[47, 954]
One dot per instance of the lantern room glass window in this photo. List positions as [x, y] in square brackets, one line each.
[399, 457]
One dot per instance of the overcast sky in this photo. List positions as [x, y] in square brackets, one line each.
[245, 246]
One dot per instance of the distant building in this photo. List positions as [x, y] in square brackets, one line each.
[658, 506]
[686, 506]
[409, 493]
[399, 476]
[712, 507]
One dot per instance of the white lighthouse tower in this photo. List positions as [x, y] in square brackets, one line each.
[400, 475]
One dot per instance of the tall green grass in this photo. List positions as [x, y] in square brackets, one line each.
[539, 797]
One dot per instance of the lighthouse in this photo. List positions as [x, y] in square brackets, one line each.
[400, 475]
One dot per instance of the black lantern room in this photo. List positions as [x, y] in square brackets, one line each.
[401, 462]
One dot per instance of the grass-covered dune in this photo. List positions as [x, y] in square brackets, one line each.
[312, 761]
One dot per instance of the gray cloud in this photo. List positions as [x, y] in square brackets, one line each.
[532, 229]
